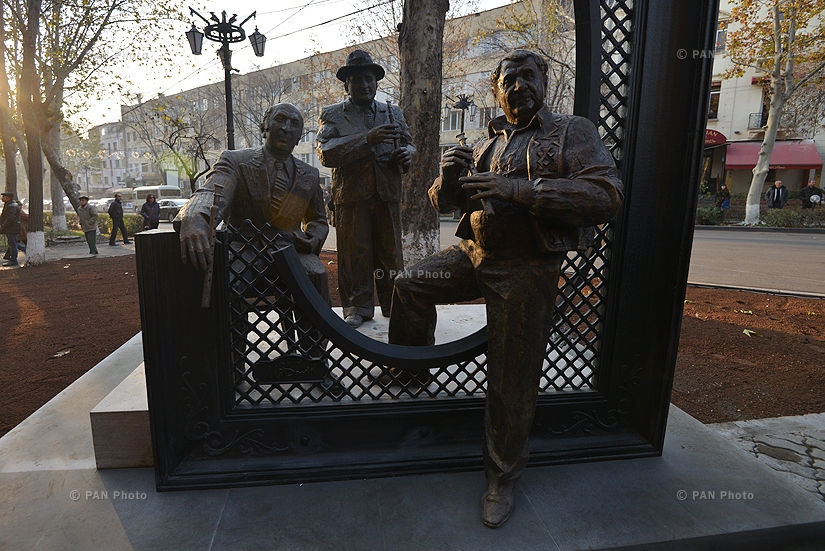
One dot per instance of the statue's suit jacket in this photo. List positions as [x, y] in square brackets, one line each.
[246, 195]
[343, 146]
[572, 184]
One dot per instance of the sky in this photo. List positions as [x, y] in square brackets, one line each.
[294, 29]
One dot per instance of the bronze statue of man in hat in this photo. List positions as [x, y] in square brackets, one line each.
[368, 146]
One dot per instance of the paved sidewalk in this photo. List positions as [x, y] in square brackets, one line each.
[793, 446]
[73, 251]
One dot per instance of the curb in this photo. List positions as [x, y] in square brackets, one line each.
[761, 229]
[779, 292]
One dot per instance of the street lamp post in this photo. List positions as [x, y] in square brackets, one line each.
[464, 103]
[225, 32]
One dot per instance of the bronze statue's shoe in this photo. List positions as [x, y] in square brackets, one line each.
[385, 311]
[354, 320]
[498, 502]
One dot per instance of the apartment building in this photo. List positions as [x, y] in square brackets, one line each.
[737, 115]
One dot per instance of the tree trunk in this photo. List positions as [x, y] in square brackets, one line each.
[420, 42]
[8, 146]
[30, 99]
[58, 208]
[760, 171]
[64, 178]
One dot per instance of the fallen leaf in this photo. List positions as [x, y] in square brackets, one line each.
[61, 353]
[750, 333]
[688, 301]
[748, 312]
[66, 266]
[813, 314]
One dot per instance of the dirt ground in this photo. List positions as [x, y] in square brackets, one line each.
[59, 320]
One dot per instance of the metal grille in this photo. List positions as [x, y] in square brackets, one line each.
[266, 322]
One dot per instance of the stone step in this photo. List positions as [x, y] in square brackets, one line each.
[120, 425]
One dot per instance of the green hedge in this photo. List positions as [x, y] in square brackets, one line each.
[709, 216]
[782, 218]
[104, 222]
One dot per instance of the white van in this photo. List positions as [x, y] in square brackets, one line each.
[160, 192]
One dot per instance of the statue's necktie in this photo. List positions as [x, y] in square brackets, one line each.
[280, 185]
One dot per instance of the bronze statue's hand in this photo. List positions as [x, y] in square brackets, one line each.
[489, 185]
[402, 157]
[456, 161]
[384, 134]
[194, 241]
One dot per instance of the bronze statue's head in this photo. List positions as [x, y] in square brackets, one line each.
[519, 85]
[282, 128]
[360, 77]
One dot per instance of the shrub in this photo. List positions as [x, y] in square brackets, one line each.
[104, 224]
[782, 218]
[709, 216]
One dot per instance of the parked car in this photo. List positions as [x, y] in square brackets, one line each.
[169, 208]
[102, 205]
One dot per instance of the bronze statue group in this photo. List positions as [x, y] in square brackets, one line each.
[533, 190]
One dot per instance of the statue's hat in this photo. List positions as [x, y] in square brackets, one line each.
[356, 60]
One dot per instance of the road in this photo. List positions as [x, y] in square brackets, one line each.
[779, 261]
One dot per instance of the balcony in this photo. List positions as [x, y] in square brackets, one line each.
[757, 121]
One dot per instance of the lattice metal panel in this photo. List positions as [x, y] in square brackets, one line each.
[579, 308]
[616, 40]
[266, 323]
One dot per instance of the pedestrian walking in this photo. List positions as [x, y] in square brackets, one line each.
[88, 223]
[116, 214]
[10, 226]
[151, 213]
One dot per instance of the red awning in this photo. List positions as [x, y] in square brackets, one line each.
[794, 155]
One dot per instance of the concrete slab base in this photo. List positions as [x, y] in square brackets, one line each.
[703, 493]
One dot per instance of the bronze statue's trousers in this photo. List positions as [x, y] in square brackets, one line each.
[520, 294]
[369, 250]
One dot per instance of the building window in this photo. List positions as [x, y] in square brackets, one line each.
[308, 136]
[453, 122]
[306, 157]
[713, 108]
[721, 33]
[485, 115]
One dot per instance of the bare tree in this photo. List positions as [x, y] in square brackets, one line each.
[176, 133]
[546, 27]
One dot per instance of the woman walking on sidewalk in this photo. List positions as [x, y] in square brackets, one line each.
[151, 213]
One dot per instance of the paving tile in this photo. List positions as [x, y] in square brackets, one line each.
[58, 510]
[443, 512]
[334, 515]
[162, 520]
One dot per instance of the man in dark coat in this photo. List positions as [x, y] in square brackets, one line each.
[265, 185]
[368, 147]
[116, 214]
[10, 225]
[543, 181]
[807, 192]
[777, 195]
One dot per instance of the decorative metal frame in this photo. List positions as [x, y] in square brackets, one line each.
[618, 315]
